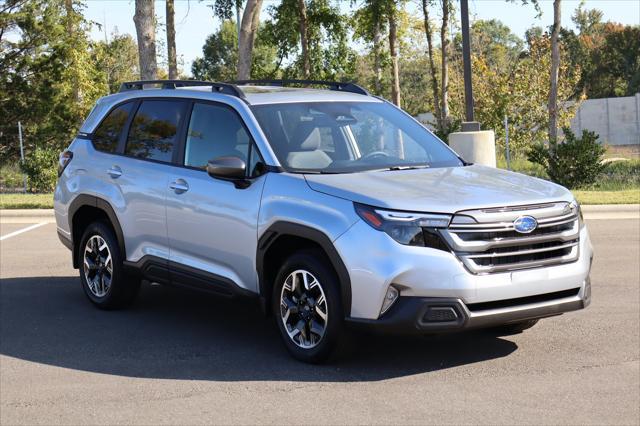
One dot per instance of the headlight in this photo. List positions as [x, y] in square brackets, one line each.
[412, 229]
[575, 208]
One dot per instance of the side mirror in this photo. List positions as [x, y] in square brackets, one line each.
[227, 168]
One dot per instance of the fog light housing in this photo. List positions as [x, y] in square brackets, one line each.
[389, 299]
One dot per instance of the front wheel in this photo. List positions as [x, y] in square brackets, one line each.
[307, 306]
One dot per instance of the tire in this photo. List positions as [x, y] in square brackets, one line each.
[307, 310]
[101, 271]
[515, 328]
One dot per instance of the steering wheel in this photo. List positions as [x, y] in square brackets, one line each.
[375, 154]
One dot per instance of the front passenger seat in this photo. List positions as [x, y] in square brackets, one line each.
[306, 143]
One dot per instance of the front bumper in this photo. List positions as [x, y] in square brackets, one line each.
[425, 315]
[375, 261]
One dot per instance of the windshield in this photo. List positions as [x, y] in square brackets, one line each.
[344, 137]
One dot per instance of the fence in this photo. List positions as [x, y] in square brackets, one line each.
[616, 120]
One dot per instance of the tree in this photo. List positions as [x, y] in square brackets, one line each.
[439, 93]
[370, 26]
[435, 92]
[328, 53]
[117, 60]
[144, 19]
[392, 17]
[444, 45]
[220, 58]
[171, 40]
[48, 79]
[248, 33]
[555, 67]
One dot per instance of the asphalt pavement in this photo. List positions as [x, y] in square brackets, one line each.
[178, 357]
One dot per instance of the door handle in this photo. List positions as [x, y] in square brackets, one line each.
[114, 172]
[179, 186]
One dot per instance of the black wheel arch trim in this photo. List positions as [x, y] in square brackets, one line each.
[283, 228]
[83, 200]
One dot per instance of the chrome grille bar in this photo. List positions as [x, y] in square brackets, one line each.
[486, 240]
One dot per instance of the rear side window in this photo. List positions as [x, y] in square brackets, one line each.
[154, 130]
[107, 135]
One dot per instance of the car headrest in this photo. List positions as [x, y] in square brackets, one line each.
[306, 137]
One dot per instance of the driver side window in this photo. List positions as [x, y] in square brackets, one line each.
[215, 131]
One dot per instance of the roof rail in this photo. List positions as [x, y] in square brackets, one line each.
[333, 85]
[226, 88]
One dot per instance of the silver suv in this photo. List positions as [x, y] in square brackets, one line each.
[333, 208]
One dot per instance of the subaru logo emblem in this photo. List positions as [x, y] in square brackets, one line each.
[525, 224]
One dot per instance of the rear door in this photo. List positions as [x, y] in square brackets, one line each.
[212, 224]
[140, 175]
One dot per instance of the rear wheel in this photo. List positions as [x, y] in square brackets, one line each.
[101, 271]
[307, 306]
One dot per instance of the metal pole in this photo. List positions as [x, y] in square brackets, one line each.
[506, 141]
[24, 177]
[466, 59]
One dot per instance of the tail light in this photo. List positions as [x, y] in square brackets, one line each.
[63, 161]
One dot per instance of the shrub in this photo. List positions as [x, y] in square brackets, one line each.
[575, 163]
[40, 167]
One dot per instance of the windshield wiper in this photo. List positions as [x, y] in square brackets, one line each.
[394, 168]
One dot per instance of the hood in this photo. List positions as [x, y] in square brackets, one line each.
[439, 190]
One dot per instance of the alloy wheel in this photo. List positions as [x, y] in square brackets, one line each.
[303, 309]
[98, 266]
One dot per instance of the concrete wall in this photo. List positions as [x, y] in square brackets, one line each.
[616, 120]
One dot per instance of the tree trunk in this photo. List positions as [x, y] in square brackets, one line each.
[304, 39]
[144, 19]
[377, 60]
[393, 51]
[555, 67]
[68, 5]
[247, 37]
[171, 40]
[444, 46]
[432, 65]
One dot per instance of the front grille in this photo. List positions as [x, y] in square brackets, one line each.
[487, 242]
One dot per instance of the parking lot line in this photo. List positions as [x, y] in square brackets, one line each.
[21, 231]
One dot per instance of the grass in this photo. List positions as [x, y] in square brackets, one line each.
[625, 196]
[26, 201]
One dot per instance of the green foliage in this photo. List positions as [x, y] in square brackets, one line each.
[607, 53]
[116, 60]
[10, 177]
[48, 78]
[220, 56]
[331, 57]
[618, 175]
[575, 163]
[494, 41]
[41, 169]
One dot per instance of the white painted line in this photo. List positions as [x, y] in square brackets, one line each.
[23, 230]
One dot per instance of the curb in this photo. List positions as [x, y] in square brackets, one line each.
[617, 208]
[6, 213]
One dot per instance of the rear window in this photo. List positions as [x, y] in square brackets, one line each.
[154, 130]
[107, 135]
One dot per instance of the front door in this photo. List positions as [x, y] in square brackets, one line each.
[211, 223]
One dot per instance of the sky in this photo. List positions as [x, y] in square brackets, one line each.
[195, 21]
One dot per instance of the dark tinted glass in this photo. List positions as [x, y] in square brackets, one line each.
[106, 136]
[154, 130]
[215, 131]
